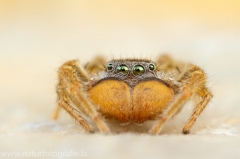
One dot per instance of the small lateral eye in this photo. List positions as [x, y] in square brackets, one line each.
[109, 66]
[151, 67]
[122, 69]
[138, 70]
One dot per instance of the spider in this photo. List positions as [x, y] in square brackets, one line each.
[130, 90]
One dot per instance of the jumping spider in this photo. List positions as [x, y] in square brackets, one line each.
[130, 90]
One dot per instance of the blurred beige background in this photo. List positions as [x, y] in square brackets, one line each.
[36, 37]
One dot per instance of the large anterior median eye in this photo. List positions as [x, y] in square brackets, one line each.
[122, 69]
[138, 70]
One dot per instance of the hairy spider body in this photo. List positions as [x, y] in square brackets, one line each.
[130, 90]
[142, 102]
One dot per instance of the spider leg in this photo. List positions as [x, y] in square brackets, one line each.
[56, 112]
[98, 63]
[165, 62]
[74, 113]
[95, 65]
[194, 80]
[65, 72]
[206, 97]
[64, 102]
[168, 64]
[70, 89]
[168, 114]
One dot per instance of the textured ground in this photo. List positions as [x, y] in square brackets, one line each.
[37, 37]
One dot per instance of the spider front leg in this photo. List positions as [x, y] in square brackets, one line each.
[98, 63]
[193, 80]
[70, 90]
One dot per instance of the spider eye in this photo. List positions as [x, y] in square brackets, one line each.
[122, 69]
[151, 67]
[109, 66]
[138, 70]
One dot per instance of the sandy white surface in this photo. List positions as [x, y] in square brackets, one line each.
[37, 37]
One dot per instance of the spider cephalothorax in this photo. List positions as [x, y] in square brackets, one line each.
[130, 90]
[132, 71]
